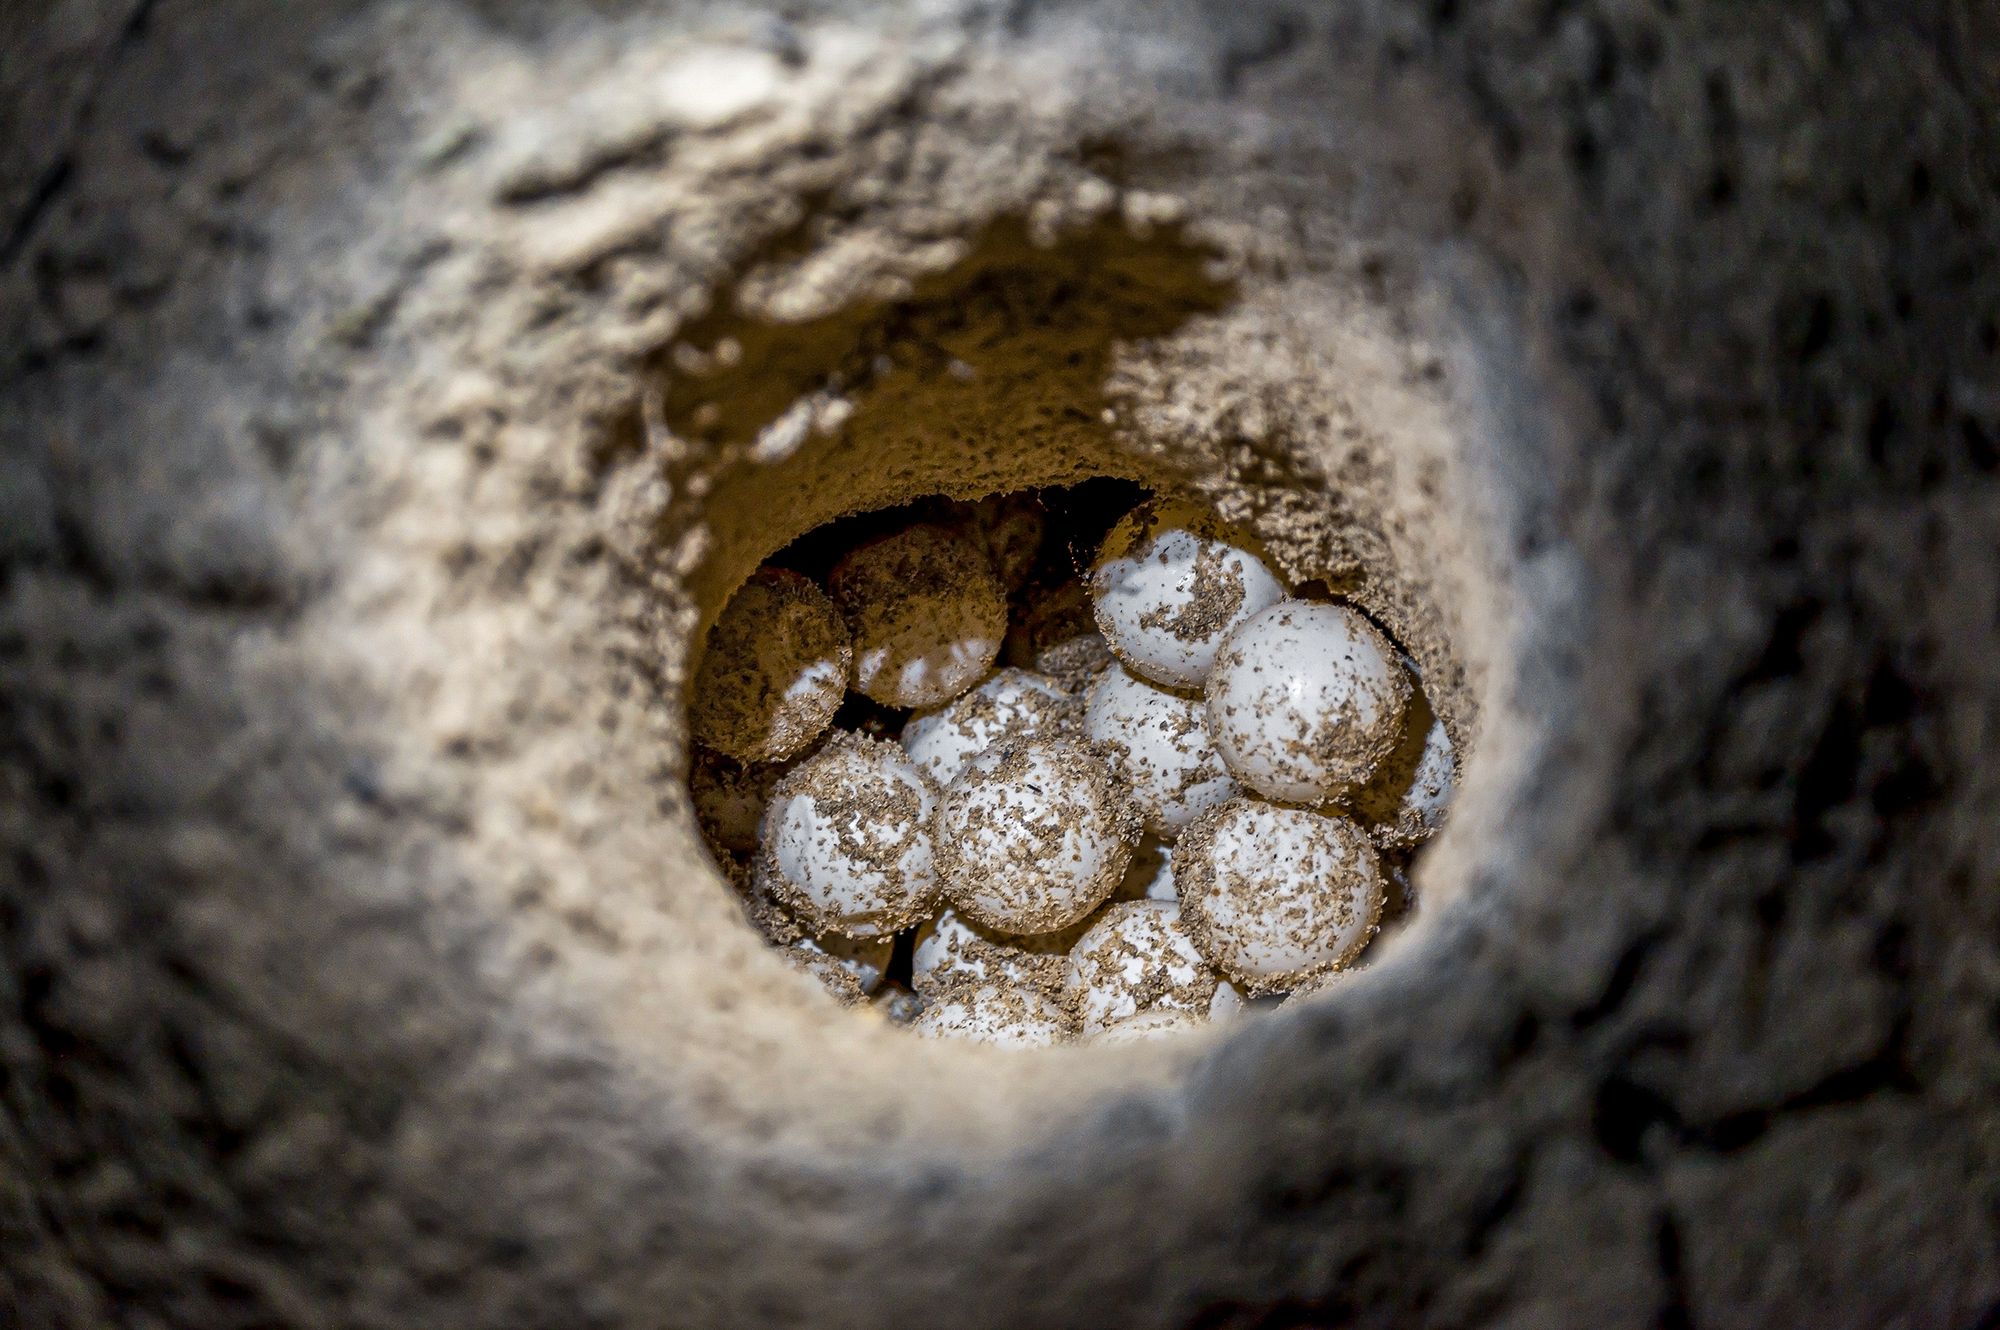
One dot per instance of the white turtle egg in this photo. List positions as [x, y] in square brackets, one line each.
[1313, 987]
[951, 949]
[896, 1005]
[1056, 633]
[774, 671]
[1305, 701]
[1009, 527]
[1231, 1001]
[729, 797]
[836, 978]
[1032, 835]
[1001, 1014]
[1277, 896]
[867, 959]
[926, 614]
[1171, 581]
[845, 843]
[1150, 875]
[1158, 745]
[1136, 957]
[1013, 703]
[1146, 1026]
[1404, 802]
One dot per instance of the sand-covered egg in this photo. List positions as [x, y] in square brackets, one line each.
[838, 980]
[845, 842]
[1137, 957]
[1146, 1026]
[1404, 801]
[1158, 745]
[729, 797]
[1306, 700]
[1055, 633]
[1232, 1000]
[1009, 528]
[926, 614]
[1002, 1014]
[774, 671]
[1170, 583]
[866, 958]
[1276, 896]
[1012, 704]
[950, 949]
[1150, 875]
[1033, 835]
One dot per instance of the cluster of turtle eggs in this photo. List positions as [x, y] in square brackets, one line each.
[1171, 803]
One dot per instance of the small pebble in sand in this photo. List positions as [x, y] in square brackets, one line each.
[1305, 701]
[1275, 897]
[1033, 835]
[1004, 1015]
[1170, 583]
[845, 842]
[774, 672]
[1011, 704]
[926, 614]
[1157, 743]
[1136, 957]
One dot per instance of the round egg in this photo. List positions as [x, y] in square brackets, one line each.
[1013, 704]
[896, 1004]
[1158, 745]
[836, 978]
[1004, 1015]
[729, 797]
[1076, 663]
[1305, 701]
[1136, 957]
[774, 671]
[1146, 1026]
[951, 949]
[845, 842]
[1231, 1001]
[1170, 583]
[1009, 528]
[1150, 875]
[1055, 632]
[1404, 802]
[1276, 896]
[1032, 836]
[866, 958]
[1313, 987]
[1228, 1001]
[926, 614]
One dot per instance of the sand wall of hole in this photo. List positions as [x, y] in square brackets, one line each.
[1043, 360]
[357, 972]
